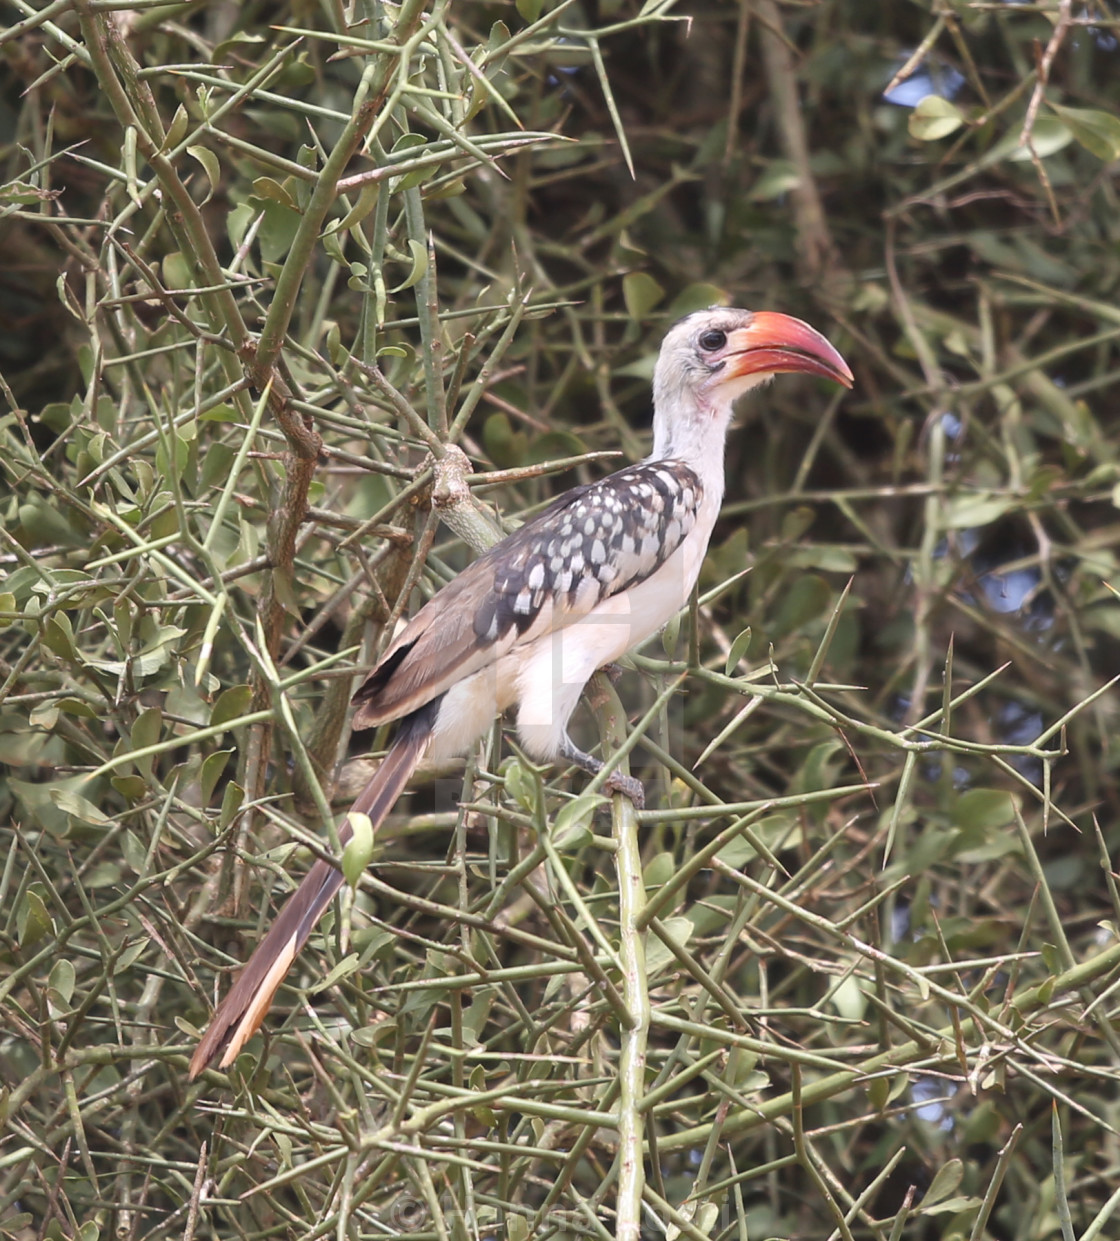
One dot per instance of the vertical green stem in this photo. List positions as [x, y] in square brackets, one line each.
[635, 994]
[635, 984]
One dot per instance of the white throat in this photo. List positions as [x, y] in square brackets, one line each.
[692, 427]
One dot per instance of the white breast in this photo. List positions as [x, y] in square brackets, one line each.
[552, 671]
[544, 673]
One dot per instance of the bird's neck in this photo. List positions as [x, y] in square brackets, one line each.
[694, 432]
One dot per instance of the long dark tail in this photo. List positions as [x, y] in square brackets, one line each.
[240, 1014]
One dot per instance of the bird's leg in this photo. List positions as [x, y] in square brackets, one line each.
[616, 782]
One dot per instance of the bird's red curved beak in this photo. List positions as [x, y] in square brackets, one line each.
[773, 344]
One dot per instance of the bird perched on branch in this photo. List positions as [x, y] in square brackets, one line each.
[526, 625]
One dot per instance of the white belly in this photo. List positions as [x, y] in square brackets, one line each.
[553, 670]
[545, 676]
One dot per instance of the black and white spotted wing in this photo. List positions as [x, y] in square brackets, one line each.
[593, 542]
[599, 540]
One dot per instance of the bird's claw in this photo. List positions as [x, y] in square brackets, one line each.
[628, 786]
[616, 782]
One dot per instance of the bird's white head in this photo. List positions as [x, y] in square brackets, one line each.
[710, 358]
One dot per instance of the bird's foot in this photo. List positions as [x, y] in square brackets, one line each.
[628, 786]
[616, 782]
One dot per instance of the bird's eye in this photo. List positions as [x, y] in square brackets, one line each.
[713, 339]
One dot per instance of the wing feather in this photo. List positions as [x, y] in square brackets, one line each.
[591, 543]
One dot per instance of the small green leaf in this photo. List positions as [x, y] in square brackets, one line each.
[879, 1091]
[236, 47]
[272, 190]
[737, 853]
[848, 999]
[297, 74]
[946, 1182]
[984, 808]
[506, 447]
[24, 194]
[359, 848]
[980, 508]
[934, 117]
[213, 767]
[177, 130]
[77, 806]
[641, 293]
[807, 599]
[336, 350]
[372, 941]
[820, 556]
[1048, 137]
[738, 650]
[1098, 132]
[572, 826]
[59, 416]
[671, 636]
[779, 177]
[449, 189]
[231, 704]
[484, 1115]
[796, 522]
[77, 707]
[697, 296]
[496, 43]
[209, 161]
[408, 142]
[174, 466]
[44, 716]
[415, 176]
[659, 870]
[419, 265]
[1052, 959]
[176, 269]
[231, 803]
[367, 200]
[146, 732]
[816, 771]
[62, 978]
[216, 465]
[135, 852]
[658, 953]
[220, 413]
[122, 621]
[520, 785]
[553, 446]
[343, 969]
[238, 222]
[133, 788]
[496, 56]
[955, 1206]
[277, 231]
[530, 10]
[333, 246]
[32, 920]
[141, 667]
[44, 525]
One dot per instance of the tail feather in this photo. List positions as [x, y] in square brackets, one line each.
[240, 1014]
